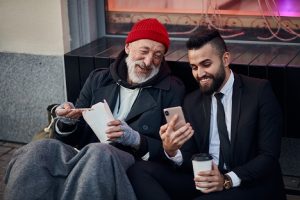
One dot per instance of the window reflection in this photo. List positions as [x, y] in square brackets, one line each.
[255, 20]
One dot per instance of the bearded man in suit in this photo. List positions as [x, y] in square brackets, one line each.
[245, 150]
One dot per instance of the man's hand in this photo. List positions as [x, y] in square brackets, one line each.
[120, 132]
[212, 180]
[67, 110]
[174, 139]
[114, 130]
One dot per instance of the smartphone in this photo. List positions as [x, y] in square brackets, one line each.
[170, 112]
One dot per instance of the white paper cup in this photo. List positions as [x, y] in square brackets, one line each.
[201, 162]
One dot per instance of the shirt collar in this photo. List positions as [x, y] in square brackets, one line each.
[228, 85]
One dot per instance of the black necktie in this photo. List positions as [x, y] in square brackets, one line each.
[224, 157]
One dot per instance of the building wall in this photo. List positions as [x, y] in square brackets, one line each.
[34, 36]
[33, 26]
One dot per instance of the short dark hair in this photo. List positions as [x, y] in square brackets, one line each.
[199, 39]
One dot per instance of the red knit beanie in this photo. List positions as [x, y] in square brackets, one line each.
[150, 29]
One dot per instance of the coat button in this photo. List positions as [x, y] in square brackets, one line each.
[145, 127]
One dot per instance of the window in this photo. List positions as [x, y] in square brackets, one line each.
[244, 20]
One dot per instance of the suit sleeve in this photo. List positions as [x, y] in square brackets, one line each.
[189, 148]
[268, 136]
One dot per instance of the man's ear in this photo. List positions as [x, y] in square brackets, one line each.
[226, 59]
[127, 48]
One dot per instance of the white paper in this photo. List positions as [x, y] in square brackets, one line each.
[97, 119]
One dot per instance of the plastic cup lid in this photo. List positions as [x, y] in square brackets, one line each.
[202, 157]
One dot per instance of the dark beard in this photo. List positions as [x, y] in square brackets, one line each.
[217, 81]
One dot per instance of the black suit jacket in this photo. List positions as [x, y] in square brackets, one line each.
[255, 130]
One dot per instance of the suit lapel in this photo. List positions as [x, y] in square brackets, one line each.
[206, 126]
[236, 107]
[109, 93]
[200, 109]
[143, 103]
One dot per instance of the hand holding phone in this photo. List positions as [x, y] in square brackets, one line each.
[174, 137]
[169, 114]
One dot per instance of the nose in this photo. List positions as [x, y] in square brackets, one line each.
[148, 59]
[201, 72]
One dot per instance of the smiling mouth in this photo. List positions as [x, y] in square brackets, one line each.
[143, 69]
[204, 79]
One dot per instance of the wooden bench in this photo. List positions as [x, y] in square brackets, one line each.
[278, 63]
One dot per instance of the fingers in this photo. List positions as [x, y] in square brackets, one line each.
[207, 187]
[163, 129]
[68, 106]
[183, 134]
[180, 140]
[206, 173]
[169, 127]
[206, 182]
[212, 180]
[60, 111]
[113, 126]
[167, 133]
[66, 110]
[173, 140]
[173, 122]
[114, 135]
[183, 131]
[74, 114]
[68, 113]
[114, 131]
[114, 123]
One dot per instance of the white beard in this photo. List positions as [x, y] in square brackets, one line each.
[139, 77]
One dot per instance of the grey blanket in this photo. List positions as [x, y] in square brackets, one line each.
[49, 169]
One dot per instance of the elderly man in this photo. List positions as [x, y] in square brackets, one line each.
[137, 87]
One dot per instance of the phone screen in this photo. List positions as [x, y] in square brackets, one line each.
[170, 112]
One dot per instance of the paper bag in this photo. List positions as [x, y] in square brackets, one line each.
[97, 118]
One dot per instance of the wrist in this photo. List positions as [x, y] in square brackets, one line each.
[171, 153]
[65, 127]
[227, 184]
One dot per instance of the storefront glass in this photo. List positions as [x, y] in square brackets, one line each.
[243, 20]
